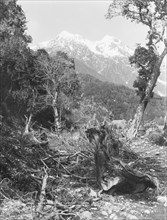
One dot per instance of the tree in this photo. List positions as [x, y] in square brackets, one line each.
[15, 61]
[59, 81]
[148, 59]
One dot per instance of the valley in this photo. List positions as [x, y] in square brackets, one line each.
[106, 60]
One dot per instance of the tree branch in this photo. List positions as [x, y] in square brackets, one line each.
[42, 195]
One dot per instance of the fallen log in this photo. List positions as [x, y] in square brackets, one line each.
[120, 178]
[128, 181]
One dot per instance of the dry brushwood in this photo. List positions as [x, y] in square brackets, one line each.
[106, 147]
[42, 197]
[124, 179]
[29, 135]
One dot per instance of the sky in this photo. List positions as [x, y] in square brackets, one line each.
[46, 19]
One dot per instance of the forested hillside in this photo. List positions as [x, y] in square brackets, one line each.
[121, 100]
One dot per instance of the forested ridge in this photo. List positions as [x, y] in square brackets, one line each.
[63, 137]
[122, 101]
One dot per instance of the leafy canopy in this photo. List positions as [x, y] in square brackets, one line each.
[153, 14]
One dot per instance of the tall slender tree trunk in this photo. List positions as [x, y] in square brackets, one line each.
[143, 104]
[56, 114]
[137, 121]
[27, 127]
[165, 123]
[57, 120]
[30, 134]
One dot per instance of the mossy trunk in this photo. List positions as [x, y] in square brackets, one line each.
[137, 121]
[143, 104]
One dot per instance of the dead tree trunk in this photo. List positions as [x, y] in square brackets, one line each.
[29, 134]
[57, 120]
[138, 118]
[56, 114]
[142, 106]
[27, 127]
[165, 124]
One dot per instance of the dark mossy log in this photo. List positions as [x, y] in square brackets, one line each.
[113, 175]
[128, 181]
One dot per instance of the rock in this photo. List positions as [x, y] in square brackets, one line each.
[133, 211]
[110, 183]
[94, 208]
[131, 217]
[123, 213]
[104, 213]
[147, 211]
[113, 216]
[162, 199]
[92, 193]
[110, 211]
[118, 124]
[86, 215]
[108, 207]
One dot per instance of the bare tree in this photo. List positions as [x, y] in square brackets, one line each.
[59, 78]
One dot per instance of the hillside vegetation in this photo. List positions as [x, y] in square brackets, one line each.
[120, 100]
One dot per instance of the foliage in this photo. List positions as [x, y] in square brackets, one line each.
[14, 165]
[15, 63]
[157, 138]
[119, 100]
[22, 160]
[90, 113]
[144, 60]
[29, 79]
[148, 59]
[59, 87]
[153, 14]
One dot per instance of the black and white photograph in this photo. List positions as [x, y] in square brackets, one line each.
[83, 110]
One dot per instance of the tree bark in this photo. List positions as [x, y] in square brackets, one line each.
[138, 118]
[56, 114]
[27, 127]
[165, 124]
[29, 135]
[143, 104]
[57, 120]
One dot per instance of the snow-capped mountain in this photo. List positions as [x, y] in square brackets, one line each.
[106, 59]
[107, 47]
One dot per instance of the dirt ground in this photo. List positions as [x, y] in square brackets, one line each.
[141, 206]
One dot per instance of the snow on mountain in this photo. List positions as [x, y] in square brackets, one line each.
[107, 47]
[106, 58]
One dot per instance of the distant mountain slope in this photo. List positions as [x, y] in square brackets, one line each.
[84, 69]
[106, 59]
[121, 100]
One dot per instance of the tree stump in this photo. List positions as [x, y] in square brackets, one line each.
[113, 175]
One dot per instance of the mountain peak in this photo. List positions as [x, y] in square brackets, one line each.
[109, 39]
[108, 57]
[65, 34]
[109, 46]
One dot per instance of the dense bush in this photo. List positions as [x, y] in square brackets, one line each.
[120, 100]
